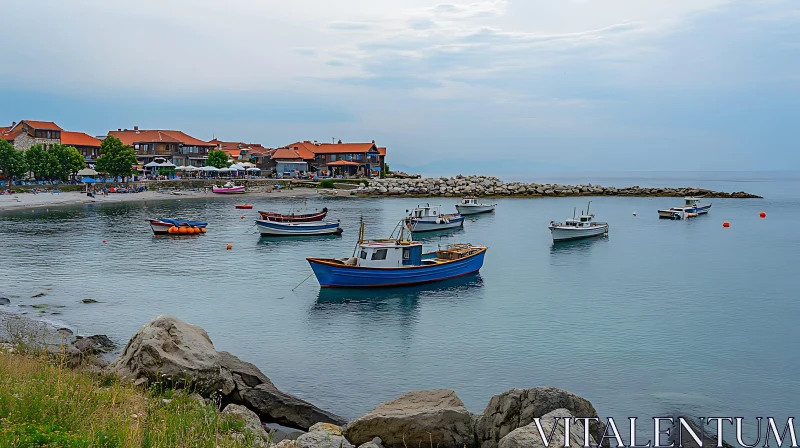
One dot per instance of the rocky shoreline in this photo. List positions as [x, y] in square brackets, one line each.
[168, 351]
[486, 186]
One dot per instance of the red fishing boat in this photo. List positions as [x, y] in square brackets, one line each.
[292, 217]
[244, 206]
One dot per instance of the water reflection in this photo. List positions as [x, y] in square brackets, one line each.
[438, 235]
[292, 240]
[408, 295]
[576, 246]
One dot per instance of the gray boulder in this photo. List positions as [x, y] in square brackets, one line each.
[518, 407]
[528, 436]
[251, 421]
[436, 417]
[323, 435]
[169, 348]
[98, 343]
[285, 409]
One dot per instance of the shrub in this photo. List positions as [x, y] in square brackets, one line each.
[327, 183]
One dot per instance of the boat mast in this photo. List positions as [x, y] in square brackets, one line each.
[360, 236]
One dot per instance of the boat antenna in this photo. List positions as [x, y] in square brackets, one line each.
[360, 235]
[574, 209]
[587, 207]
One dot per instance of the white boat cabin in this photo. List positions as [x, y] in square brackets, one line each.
[390, 254]
[581, 222]
[469, 200]
[426, 211]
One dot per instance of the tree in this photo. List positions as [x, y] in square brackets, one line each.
[66, 160]
[217, 159]
[40, 162]
[115, 159]
[12, 162]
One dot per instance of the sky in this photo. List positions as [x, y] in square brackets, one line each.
[498, 85]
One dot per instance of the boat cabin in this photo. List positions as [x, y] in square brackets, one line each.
[425, 212]
[691, 202]
[582, 221]
[390, 254]
[469, 200]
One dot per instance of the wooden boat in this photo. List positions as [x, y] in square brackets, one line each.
[470, 206]
[578, 228]
[228, 188]
[396, 262]
[276, 228]
[309, 217]
[690, 209]
[428, 218]
[244, 206]
[167, 226]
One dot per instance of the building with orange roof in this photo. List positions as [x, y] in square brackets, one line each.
[175, 146]
[27, 133]
[347, 159]
[87, 145]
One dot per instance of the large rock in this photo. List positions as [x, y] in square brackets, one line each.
[251, 421]
[285, 409]
[323, 435]
[429, 417]
[518, 407]
[528, 436]
[167, 348]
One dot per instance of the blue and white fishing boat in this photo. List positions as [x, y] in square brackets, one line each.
[428, 218]
[275, 228]
[691, 208]
[396, 261]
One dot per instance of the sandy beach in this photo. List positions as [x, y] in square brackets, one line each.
[23, 201]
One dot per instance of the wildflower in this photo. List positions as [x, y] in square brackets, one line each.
[134, 416]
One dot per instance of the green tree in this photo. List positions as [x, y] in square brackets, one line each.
[116, 159]
[217, 159]
[40, 162]
[12, 162]
[66, 161]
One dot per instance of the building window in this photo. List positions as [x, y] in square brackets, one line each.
[379, 254]
[333, 157]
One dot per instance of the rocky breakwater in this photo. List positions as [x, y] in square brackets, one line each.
[491, 186]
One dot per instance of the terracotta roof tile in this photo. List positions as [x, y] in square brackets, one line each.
[382, 151]
[336, 148]
[287, 153]
[343, 163]
[9, 136]
[46, 125]
[78, 139]
[130, 137]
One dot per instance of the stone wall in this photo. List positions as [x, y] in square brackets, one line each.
[492, 187]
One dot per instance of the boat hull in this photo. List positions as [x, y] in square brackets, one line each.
[474, 209]
[312, 217]
[272, 228]
[334, 275]
[560, 234]
[233, 190]
[430, 226]
[162, 227]
[677, 212]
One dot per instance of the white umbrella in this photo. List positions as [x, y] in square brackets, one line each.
[166, 164]
[247, 165]
[152, 164]
[87, 172]
[180, 168]
[254, 169]
[191, 168]
[224, 170]
[210, 168]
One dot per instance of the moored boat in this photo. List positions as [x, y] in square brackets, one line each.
[396, 261]
[276, 228]
[244, 206]
[228, 188]
[470, 206]
[167, 226]
[577, 228]
[690, 208]
[428, 218]
[292, 217]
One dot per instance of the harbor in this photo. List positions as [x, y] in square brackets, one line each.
[260, 300]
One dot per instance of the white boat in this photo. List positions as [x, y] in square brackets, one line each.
[228, 188]
[578, 228]
[429, 218]
[273, 228]
[470, 206]
[691, 208]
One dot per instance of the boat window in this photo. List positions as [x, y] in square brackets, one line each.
[363, 254]
[406, 253]
[379, 254]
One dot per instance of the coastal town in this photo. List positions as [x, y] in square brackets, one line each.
[178, 151]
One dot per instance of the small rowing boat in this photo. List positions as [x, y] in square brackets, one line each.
[292, 217]
[578, 228]
[275, 228]
[244, 206]
[167, 226]
[396, 261]
[228, 188]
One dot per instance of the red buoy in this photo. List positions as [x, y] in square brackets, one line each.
[726, 224]
[104, 241]
[229, 247]
[763, 214]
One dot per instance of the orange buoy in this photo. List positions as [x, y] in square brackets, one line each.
[763, 214]
[229, 247]
[172, 229]
[202, 230]
[104, 241]
[190, 230]
[726, 224]
[241, 217]
[183, 230]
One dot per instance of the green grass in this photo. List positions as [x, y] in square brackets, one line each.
[43, 403]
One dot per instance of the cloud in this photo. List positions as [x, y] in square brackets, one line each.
[349, 26]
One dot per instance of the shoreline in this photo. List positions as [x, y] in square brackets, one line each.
[27, 201]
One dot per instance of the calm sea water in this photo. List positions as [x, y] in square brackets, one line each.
[661, 316]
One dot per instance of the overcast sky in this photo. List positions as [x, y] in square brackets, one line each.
[549, 84]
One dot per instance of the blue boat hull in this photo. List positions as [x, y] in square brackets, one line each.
[334, 275]
[274, 228]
